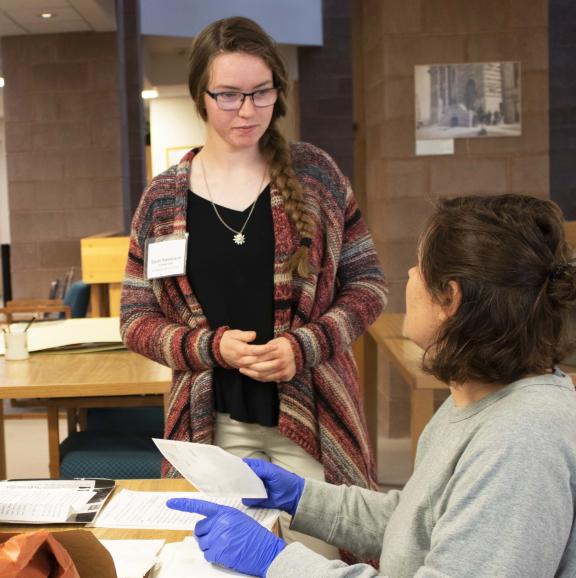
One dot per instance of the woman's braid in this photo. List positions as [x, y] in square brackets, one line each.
[276, 150]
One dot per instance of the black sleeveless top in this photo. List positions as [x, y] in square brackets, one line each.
[234, 285]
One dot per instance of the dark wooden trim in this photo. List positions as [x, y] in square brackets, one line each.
[131, 107]
[6, 273]
[562, 71]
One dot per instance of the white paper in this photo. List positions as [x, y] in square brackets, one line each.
[440, 146]
[185, 558]
[133, 547]
[23, 505]
[133, 558]
[212, 470]
[166, 258]
[148, 510]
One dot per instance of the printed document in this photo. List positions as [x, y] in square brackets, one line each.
[148, 510]
[212, 470]
[41, 506]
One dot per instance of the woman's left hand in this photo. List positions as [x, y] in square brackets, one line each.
[278, 365]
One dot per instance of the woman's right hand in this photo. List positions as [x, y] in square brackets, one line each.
[235, 345]
[283, 487]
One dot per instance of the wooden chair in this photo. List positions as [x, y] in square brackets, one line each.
[34, 306]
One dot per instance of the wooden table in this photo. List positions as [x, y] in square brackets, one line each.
[405, 356]
[113, 373]
[386, 334]
[178, 485]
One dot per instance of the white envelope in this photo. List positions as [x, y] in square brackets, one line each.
[212, 470]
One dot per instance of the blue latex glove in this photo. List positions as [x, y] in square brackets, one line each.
[284, 488]
[229, 537]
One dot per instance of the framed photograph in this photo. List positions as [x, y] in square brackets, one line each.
[467, 100]
[175, 154]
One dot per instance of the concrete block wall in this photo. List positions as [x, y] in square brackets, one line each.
[397, 36]
[63, 151]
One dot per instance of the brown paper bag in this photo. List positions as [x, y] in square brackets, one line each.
[35, 555]
[90, 557]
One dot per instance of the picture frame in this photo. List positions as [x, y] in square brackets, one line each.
[467, 100]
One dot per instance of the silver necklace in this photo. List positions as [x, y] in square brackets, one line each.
[239, 237]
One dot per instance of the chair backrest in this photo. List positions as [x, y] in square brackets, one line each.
[77, 297]
[34, 306]
[127, 420]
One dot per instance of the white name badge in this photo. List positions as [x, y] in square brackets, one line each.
[165, 256]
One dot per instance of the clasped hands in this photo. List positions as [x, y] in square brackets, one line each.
[233, 539]
[273, 361]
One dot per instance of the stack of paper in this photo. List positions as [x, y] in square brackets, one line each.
[53, 501]
[48, 484]
[148, 510]
[69, 334]
[33, 506]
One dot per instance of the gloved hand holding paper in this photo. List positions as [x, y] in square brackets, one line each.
[212, 470]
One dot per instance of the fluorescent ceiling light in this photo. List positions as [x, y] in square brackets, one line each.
[46, 15]
[1, 82]
[149, 94]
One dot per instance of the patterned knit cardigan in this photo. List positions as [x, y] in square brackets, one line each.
[320, 407]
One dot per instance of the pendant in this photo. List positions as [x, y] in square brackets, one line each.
[239, 239]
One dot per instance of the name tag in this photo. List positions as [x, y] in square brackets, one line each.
[165, 256]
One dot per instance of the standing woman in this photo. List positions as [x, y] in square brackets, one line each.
[281, 277]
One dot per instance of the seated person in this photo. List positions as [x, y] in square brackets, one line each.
[494, 484]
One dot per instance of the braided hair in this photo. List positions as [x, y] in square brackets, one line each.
[238, 34]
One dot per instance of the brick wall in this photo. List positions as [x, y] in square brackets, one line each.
[63, 151]
[325, 87]
[396, 36]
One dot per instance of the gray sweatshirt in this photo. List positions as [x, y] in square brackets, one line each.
[492, 496]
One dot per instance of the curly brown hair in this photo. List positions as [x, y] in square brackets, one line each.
[509, 256]
[238, 34]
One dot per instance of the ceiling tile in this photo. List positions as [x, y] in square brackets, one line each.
[99, 14]
[11, 30]
[53, 27]
[25, 17]
[4, 19]
[32, 4]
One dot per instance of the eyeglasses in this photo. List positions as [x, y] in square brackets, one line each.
[234, 100]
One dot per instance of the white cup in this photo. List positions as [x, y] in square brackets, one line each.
[16, 346]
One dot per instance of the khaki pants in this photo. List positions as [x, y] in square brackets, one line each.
[247, 440]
